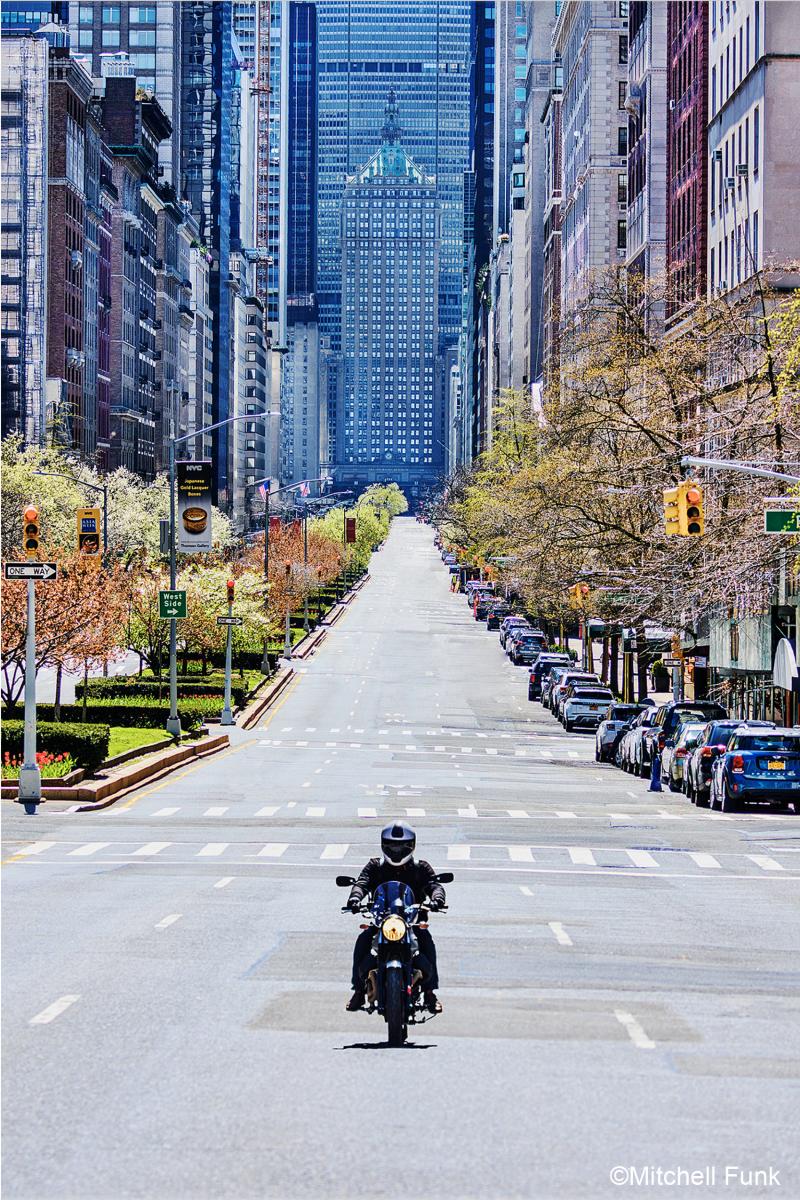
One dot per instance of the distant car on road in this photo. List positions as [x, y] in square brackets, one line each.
[583, 707]
[712, 743]
[550, 680]
[759, 766]
[559, 690]
[676, 752]
[629, 751]
[495, 612]
[610, 730]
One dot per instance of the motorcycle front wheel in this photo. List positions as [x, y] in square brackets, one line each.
[396, 1007]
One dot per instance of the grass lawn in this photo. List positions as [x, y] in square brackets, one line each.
[129, 737]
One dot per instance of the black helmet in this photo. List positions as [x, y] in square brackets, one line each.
[397, 843]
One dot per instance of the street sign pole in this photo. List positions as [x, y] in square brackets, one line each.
[30, 777]
[227, 715]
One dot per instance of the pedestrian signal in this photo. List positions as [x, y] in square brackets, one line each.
[30, 531]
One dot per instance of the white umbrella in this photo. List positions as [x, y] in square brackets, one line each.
[784, 668]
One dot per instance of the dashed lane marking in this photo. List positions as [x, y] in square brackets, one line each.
[53, 1010]
[335, 850]
[165, 922]
[273, 850]
[89, 848]
[634, 1030]
[581, 856]
[221, 883]
[213, 850]
[151, 848]
[561, 935]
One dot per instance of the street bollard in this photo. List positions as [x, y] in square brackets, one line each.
[655, 774]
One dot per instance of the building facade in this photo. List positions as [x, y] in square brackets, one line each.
[753, 140]
[551, 236]
[540, 19]
[687, 155]
[646, 104]
[390, 422]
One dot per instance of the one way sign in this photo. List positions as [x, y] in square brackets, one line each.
[31, 570]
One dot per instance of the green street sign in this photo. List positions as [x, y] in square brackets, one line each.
[172, 606]
[782, 520]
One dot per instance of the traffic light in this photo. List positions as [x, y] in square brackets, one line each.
[672, 520]
[692, 519]
[30, 531]
[578, 594]
[230, 585]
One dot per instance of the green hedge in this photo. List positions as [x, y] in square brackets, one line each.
[145, 713]
[99, 690]
[87, 744]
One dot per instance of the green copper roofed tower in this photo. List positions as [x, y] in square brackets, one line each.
[389, 420]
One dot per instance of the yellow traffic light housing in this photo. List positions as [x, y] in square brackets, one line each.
[672, 523]
[692, 509]
[30, 531]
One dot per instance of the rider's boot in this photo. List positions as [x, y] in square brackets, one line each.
[356, 1001]
[432, 1002]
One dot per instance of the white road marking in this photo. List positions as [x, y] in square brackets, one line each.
[368, 812]
[581, 856]
[306, 784]
[466, 749]
[53, 1010]
[36, 848]
[167, 921]
[765, 863]
[221, 883]
[491, 750]
[216, 812]
[89, 848]
[301, 743]
[357, 746]
[150, 848]
[544, 753]
[561, 935]
[620, 816]
[566, 815]
[471, 811]
[286, 729]
[213, 850]
[572, 754]
[526, 891]
[335, 850]
[166, 812]
[269, 811]
[458, 853]
[318, 771]
[668, 816]
[704, 860]
[516, 812]
[315, 812]
[520, 854]
[311, 729]
[641, 858]
[273, 850]
[634, 1030]
[633, 794]
[415, 812]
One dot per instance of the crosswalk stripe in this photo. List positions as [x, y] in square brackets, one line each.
[151, 848]
[166, 812]
[765, 862]
[335, 850]
[572, 754]
[546, 753]
[315, 811]
[458, 853]
[368, 812]
[620, 816]
[216, 812]
[415, 812]
[213, 849]
[491, 750]
[269, 811]
[273, 850]
[704, 860]
[516, 812]
[566, 815]
[89, 848]
[581, 856]
[36, 848]
[641, 858]
[520, 854]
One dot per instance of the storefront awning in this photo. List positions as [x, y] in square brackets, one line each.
[784, 668]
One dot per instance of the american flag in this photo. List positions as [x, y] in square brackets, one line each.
[264, 488]
[304, 488]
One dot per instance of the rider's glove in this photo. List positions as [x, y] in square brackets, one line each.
[354, 903]
[433, 905]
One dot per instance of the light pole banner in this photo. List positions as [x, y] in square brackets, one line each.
[194, 506]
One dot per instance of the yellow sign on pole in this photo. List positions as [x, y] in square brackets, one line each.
[89, 535]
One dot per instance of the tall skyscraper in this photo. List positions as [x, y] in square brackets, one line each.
[390, 419]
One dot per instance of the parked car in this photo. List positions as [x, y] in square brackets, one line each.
[759, 766]
[677, 751]
[629, 752]
[572, 686]
[616, 720]
[584, 707]
[668, 717]
[560, 688]
[540, 667]
[713, 742]
[495, 613]
[551, 679]
[509, 623]
[526, 645]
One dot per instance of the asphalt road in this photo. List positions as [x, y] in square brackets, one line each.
[619, 970]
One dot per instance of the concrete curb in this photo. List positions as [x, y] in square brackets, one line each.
[250, 716]
[108, 791]
[306, 647]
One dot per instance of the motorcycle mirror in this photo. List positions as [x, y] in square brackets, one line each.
[445, 877]
[344, 881]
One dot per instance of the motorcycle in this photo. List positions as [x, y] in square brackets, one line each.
[393, 984]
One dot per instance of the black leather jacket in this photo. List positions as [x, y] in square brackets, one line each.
[417, 874]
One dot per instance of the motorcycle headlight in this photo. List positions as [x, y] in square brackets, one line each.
[393, 929]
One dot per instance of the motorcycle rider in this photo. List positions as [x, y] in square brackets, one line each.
[398, 843]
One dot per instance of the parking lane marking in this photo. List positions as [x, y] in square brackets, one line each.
[53, 1010]
[150, 848]
[226, 879]
[335, 850]
[165, 922]
[765, 862]
[707, 861]
[561, 935]
[634, 1030]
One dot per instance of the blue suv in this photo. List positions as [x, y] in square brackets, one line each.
[758, 766]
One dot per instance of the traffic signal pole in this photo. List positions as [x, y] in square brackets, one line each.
[30, 777]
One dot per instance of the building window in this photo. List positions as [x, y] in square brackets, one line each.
[142, 37]
[757, 47]
[111, 37]
[141, 15]
[713, 89]
[111, 14]
[622, 234]
[622, 188]
[755, 240]
[756, 138]
[622, 91]
[85, 39]
[623, 8]
[623, 48]
[622, 140]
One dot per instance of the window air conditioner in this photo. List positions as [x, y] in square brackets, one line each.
[730, 183]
